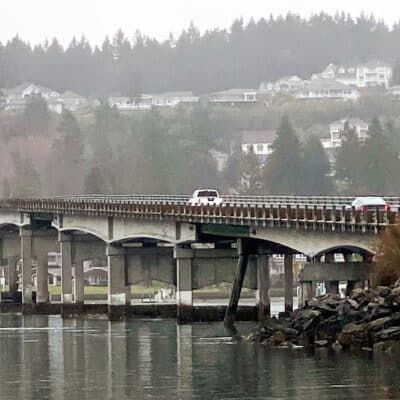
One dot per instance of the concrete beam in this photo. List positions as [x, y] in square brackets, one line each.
[356, 271]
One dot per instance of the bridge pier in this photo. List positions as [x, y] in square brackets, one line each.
[118, 290]
[243, 256]
[288, 265]
[184, 282]
[263, 283]
[332, 287]
[66, 268]
[12, 275]
[79, 284]
[26, 256]
[42, 295]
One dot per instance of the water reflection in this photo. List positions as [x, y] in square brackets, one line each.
[45, 357]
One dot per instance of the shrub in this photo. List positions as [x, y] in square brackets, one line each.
[387, 265]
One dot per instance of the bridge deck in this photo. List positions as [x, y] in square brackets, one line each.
[314, 213]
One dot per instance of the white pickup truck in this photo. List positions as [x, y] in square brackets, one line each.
[205, 197]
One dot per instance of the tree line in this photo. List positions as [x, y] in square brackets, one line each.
[368, 167]
[159, 152]
[241, 56]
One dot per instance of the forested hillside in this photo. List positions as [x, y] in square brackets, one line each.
[242, 56]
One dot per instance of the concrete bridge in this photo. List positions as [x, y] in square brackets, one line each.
[162, 238]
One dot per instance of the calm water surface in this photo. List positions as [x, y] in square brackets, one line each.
[48, 358]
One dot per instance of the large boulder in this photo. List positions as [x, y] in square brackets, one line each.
[354, 335]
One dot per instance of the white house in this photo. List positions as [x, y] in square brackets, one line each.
[328, 89]
[337, 127]
[126, 104]
[374, 74]
[73, 101]
[18, 97]
[233, 96]
[259, 142]
[370, 74]
[220, 158]
[172, 99]
[394, 92]
[286, 84]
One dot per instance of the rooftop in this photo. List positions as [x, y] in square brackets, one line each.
[254, 137]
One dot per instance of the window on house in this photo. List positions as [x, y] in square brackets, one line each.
[260, 147]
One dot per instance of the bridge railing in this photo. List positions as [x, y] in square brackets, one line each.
[228, 199]
[273, 215]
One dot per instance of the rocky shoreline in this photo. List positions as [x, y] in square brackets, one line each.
[367, 319]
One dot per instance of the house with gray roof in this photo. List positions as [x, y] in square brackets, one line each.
[327, 89]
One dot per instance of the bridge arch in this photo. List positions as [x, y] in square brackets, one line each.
[362, 250]
[312, 243]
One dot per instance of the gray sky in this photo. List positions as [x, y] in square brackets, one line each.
[35, 20]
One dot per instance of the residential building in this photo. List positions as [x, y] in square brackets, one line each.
[328, 89]
[233, 96]
[394, 92]
[126, 104]
[259, 142]
[17, 98]
[220, 158]
[287, 84]
[337, 128]
[370, 74]
[73, 101]
[172, 99]
[374, 74]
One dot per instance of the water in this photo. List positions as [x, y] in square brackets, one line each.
[47, 358]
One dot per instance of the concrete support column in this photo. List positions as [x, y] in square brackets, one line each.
[42, 269]
[118, 290]
[79, 283]
[332, 287]
[306, 293]
[66, 268]
[26, 255]
[349, 287]
[12, 275]
[288, 264]
[263, 284]
[184, 284]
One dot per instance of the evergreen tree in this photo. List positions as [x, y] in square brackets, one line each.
[316, 169]
[65, 165]
[348, 164]
[26, 178]
[380, 162]
[251, 182]
[284, 169]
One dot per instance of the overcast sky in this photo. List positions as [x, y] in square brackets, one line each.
[35, 20]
